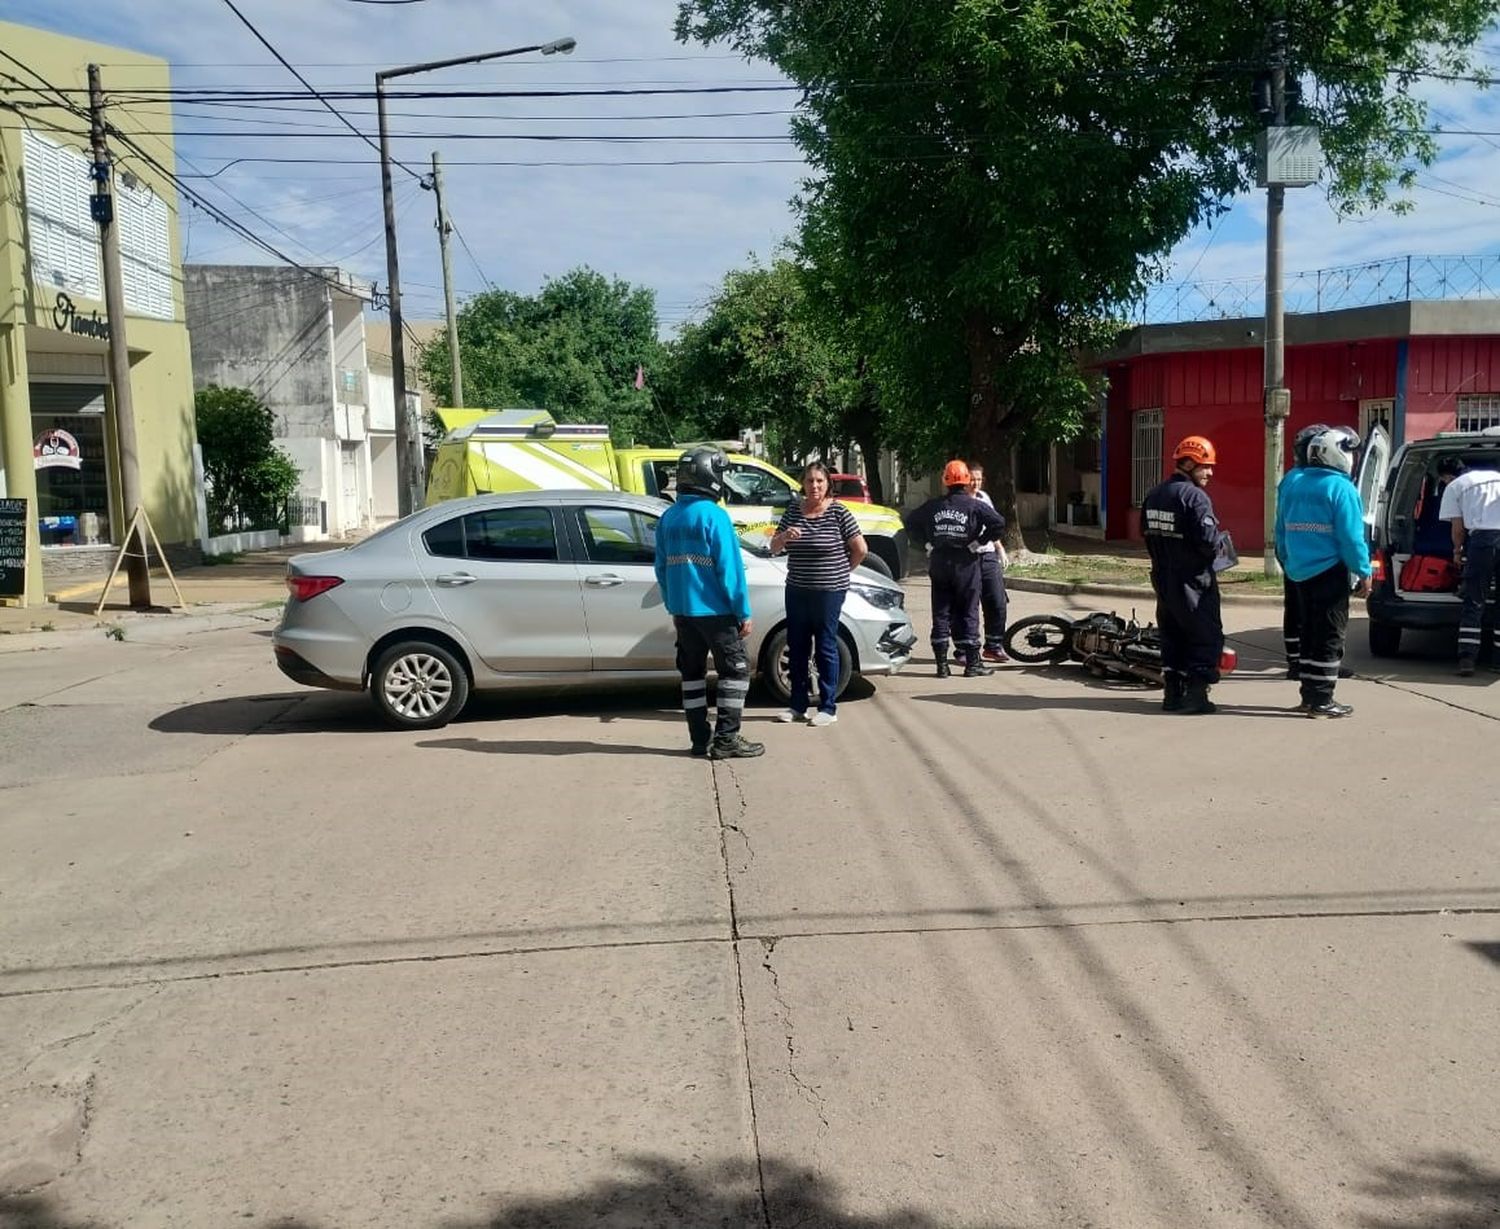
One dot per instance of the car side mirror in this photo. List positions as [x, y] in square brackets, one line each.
[779, 499]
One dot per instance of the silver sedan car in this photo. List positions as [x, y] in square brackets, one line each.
[543, 588]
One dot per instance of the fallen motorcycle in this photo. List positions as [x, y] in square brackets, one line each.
[1106, 645]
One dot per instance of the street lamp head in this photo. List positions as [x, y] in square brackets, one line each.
[563, 45]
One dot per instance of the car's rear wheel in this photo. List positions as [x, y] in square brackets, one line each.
[1385, 639]
[876, 564]
[775, 669]
[418, 685]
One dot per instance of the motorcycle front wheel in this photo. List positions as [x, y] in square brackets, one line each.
[1039, 639]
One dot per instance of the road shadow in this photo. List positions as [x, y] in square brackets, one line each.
[656, 1194]
[537, 746]
[1136, 701]
[347, 712]
[1434, 1191]
[1438, 1190]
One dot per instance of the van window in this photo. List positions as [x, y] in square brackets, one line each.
[1413, 510]
[661, 478]
[749, 484]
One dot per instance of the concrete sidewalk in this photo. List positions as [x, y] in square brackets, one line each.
[256, 579]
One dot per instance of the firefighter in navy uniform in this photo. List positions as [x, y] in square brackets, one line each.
[1183, 536]
[953, 526]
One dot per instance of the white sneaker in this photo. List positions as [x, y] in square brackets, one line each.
[788, 715]
[821, 718]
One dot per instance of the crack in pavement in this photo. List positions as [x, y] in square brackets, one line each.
[62, 1043]
[809, 1093]
[739, 982]
[541, 949]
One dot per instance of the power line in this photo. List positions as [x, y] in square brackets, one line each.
[473, 260]
[264, 42]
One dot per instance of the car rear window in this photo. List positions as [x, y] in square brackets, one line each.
[500, 535]
[848, 486]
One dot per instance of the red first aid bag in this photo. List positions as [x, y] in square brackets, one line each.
[1428, 574]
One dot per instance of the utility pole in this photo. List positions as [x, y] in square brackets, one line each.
[443, 230]
[102, 206]
[409, 493]
[1278, 401]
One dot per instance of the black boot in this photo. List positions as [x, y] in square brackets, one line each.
[1195, 699]
[940, 651]
[974, 667]
[1171, 701]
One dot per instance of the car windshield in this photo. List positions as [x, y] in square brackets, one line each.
[757, 540]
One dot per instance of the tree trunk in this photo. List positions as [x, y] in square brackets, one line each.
[992, 435]
[869, 449]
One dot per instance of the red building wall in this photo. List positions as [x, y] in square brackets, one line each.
[1438, 371]
[1217, 393]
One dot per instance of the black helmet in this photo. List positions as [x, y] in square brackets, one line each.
[1304, 438]
[700, 471]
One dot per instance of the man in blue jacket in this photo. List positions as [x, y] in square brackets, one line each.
[702, 577]
[1320, 539]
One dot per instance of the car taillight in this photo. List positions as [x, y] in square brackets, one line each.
[1377, 568]
[305, 588]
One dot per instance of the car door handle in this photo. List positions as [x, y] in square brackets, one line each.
[452, 580]
[607, 580]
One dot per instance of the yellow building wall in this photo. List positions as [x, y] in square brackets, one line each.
[161, 360]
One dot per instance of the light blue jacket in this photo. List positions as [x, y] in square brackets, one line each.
[698, 562]
[1319, 523]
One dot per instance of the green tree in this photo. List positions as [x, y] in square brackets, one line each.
[771, 353]
[573, 349]
[995, 180]
[249, 478]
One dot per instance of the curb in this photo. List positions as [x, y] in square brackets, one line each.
[1062, 588]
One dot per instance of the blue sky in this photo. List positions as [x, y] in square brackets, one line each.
[675, 228]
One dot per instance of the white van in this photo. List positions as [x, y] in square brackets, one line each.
[1415, 582]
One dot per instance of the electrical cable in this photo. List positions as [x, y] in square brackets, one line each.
[264, 42]
[473, 260]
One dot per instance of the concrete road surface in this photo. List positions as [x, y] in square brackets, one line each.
[1012, 952]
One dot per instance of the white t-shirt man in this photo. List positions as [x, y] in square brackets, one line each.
[1473, 498]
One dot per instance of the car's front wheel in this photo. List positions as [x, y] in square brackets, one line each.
[418, 685]
[775, 668]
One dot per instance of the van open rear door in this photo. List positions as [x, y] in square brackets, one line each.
[1374, 465]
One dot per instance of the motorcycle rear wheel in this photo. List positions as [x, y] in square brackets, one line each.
[1040, 639]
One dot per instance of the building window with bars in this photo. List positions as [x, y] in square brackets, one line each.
[1145, 453]
[1477, 411]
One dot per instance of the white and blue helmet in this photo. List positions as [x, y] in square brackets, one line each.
[1334, 449]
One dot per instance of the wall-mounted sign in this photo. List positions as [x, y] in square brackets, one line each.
[65, 319]
[56, 449]
[12, 548]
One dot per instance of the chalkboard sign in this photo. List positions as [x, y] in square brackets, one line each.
[12, 547]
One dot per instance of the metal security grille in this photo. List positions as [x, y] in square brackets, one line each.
[1145, 453]
[1476, 411]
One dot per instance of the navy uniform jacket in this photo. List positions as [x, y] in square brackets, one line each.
[1182, 533]
[953, 521]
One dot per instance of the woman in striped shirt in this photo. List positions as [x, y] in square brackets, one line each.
[823, 545]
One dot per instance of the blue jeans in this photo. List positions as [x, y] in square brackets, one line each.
[812, 616]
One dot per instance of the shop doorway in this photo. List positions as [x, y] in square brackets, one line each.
[70, 449]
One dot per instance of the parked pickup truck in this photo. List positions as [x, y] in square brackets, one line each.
[485, 451]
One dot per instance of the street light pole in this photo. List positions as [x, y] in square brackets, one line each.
[409, 493]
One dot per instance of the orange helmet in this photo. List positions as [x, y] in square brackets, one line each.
[956, 473]
[1197, 450]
